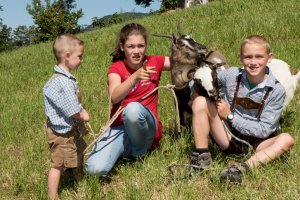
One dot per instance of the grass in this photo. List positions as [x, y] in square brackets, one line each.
[220, 25]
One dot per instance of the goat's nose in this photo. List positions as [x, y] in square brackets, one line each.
[212, 91]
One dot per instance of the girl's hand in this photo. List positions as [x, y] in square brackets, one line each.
[144, 72]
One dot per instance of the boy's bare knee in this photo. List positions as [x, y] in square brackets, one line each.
[199, 104]
[287, 139]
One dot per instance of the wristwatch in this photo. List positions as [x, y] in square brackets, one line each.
[229, 117]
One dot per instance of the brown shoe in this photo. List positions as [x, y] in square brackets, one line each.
[202, 160]
[234, 173]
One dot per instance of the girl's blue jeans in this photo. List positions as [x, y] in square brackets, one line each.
[134, 138]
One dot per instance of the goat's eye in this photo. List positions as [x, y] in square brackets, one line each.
[181, 43]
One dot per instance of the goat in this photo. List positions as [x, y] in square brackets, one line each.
[188, 3]
[190, 62]
[205, 77]
[282, 72]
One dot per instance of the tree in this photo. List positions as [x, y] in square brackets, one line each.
[5, 40]
[165, 5]
[145, 3]
[109, 20]
[168, 5]
[5, 33]
[23, 36]
[53, 19]
[96, 22]
[115, 18]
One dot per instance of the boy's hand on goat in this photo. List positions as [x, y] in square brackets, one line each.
[222, 108]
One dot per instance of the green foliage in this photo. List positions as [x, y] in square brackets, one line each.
[145, 3]
[96, 22]
[23, 36]
[168, 5]
[10, 40]
[165, 5]
[54, 18]
[220, 25]
[5, 33]
[115, 19]
[108, 21]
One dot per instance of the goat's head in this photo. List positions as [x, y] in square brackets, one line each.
[186, 54]
[206, 82]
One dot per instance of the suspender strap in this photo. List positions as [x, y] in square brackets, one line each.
[239, 79]
[261, 106]
[263, 102]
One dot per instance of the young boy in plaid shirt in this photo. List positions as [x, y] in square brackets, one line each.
[65, 114]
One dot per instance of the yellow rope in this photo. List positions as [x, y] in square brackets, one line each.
[120, 110]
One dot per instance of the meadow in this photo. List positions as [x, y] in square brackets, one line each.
[220, 25]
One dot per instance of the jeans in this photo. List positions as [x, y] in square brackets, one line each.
[134, 138]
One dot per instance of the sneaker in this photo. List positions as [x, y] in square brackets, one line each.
[234, 173]
[202, 160]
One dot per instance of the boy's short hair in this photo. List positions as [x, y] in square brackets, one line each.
[65, 42]
[256, 39]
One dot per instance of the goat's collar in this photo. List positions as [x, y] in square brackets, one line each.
[212, 64]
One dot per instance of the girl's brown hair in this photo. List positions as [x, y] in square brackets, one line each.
[126, 31]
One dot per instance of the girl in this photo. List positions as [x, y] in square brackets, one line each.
[131, 76]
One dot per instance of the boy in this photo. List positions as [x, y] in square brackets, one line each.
[65, 115]
[251, 110]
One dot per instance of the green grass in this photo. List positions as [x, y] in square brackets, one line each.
[220, 25]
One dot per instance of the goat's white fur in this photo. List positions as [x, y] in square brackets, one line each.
[216, 60]
[281, 71]
[204, 74]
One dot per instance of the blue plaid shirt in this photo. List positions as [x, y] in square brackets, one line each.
[245, 121]
[61, 102]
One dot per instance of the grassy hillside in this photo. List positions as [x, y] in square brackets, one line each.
[221, 25]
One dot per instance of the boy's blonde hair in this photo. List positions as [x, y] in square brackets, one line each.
[256, 39]
[65, 42]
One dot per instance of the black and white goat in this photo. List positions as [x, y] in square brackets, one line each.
[193, 67]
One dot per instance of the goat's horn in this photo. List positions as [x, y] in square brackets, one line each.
[191, 32]
[158, 35]
[178, 29]
[187, 74]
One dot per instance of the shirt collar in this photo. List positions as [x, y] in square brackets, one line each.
[60, 70]
[269, 82]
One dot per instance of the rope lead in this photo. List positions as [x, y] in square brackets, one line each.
[120, 110]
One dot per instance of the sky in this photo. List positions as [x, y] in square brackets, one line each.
[15, 14]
